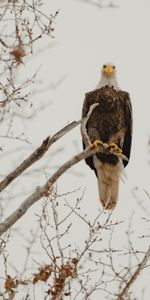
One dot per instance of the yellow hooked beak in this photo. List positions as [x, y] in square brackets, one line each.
[108, 69]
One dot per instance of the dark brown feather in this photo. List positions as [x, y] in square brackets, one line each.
[110, 122]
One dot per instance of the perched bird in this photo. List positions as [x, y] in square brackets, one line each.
[111, 123]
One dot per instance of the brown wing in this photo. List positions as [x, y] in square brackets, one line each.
[89, 99]
[129, 124]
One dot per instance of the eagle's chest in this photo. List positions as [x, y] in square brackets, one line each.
[110, 105]
[110, 116]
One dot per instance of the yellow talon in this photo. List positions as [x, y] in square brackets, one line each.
[114, 148]
[96, 144]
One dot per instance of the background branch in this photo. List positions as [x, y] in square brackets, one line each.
[133, 278]
[36, 155]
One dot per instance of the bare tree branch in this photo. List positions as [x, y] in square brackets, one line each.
[43, 190]
[84, 134]
[46, 188]
[36, 155]
[101, 3]
[137, 272]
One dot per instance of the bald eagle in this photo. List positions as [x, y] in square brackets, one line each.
[111, 123]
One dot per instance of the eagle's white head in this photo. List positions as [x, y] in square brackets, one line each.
[108, 77]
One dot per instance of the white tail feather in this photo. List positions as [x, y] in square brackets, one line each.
[108, 182]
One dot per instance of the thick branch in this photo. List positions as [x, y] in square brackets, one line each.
[84, 134]
[46, 188]
[36, 155]
[137, 272]
[43, 190]
[43, 148]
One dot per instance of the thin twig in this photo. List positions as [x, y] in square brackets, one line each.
[137, 272]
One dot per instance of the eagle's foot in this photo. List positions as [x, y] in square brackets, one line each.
[96, 144]
[114, 148]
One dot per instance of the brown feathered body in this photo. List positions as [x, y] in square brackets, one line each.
[110, 122]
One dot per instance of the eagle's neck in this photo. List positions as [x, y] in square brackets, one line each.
[111, 82]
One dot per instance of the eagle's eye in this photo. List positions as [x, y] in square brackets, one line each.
[113, 67]
[104, 66]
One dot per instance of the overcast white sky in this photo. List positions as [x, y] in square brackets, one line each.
[86, 38]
